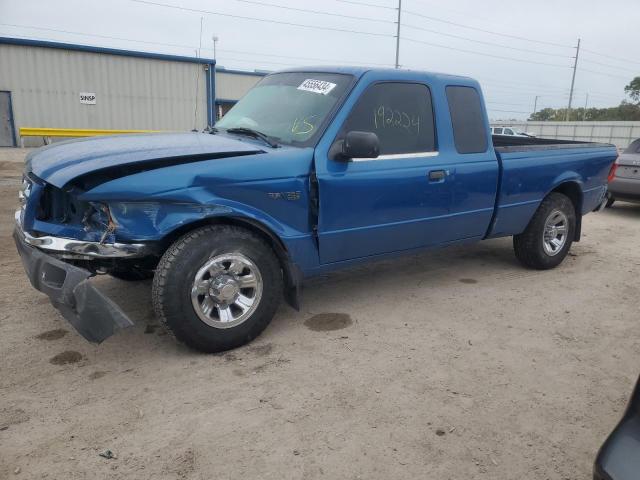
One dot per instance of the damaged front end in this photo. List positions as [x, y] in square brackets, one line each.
[92, 314]
[70, 242]
[64, 240]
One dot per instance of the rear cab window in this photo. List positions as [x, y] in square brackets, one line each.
[467, 119]
[400, 114]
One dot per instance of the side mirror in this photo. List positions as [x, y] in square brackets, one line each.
[360, 145]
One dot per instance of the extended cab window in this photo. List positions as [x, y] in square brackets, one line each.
[400, 114]
[469, 130]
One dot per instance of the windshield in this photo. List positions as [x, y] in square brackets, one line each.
[289, 107]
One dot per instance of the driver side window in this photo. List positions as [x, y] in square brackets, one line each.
[400, 114]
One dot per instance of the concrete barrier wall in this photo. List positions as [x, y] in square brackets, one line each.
[621, 134]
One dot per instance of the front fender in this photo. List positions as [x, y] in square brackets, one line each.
[154, 221]
[149, 221]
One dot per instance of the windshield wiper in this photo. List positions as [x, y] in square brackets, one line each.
[253, 133]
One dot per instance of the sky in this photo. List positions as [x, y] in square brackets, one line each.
[517, 50]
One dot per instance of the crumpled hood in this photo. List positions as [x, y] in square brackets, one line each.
[60, 163]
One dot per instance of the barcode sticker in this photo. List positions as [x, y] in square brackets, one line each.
[316, 86]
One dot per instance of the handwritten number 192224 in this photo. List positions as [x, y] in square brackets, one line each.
[384, 117]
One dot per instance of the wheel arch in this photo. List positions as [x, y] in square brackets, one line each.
[292, 275]
[572, 189]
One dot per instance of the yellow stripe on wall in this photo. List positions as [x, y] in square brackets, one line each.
[74, 132]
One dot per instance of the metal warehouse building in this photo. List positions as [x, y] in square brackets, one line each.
[68, 86]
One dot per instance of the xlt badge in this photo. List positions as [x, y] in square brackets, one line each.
[284, 195]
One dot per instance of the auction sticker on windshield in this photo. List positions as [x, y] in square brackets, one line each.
[316, 86]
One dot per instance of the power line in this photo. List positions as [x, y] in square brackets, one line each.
[483, 54]
[366, 4]
[610, 66]
[612, 57]
[242, 17]
[520, 87]
[485, 43]
[301, 58]
[191, 47]
[461, 12]
[435, 19]
[605, 74]
[318, 12]
[600, 95]
[529, 85]
[228, 59]
[493, 93]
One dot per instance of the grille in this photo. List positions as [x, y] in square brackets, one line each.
[57, 206]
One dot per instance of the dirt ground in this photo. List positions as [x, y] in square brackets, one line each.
[454, 364]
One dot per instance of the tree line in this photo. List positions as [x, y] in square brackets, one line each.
[626, 111]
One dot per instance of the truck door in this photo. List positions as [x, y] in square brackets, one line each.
[397, 201]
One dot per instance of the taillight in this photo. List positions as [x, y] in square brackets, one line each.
[612, 172]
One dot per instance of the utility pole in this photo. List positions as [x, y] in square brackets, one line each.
[584, 113]
[214, 114]
[573, 81]
[398, 35]
[535, 104]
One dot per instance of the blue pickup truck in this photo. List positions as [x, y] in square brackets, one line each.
[313, 170]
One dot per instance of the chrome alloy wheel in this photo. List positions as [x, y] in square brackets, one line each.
[226, 290]
[555, 232]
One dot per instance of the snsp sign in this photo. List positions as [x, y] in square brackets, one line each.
[88, 98]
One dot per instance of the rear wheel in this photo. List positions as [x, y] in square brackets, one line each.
[549, 235]
[217, 287]
[610, 202]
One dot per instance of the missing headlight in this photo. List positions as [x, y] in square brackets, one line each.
[98, 217]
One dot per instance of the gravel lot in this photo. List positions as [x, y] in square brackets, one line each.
[454, 364]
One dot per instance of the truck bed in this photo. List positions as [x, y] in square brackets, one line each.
[531, 167]
[510, 143]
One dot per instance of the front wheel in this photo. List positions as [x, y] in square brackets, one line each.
[549, 235]
[217, 287]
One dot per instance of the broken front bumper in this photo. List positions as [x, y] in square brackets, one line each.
[92, 314]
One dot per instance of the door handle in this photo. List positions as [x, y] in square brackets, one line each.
[438, 175]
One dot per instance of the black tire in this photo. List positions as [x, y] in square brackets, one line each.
[171, 292]
[132, 275]
[610, 202]
[529, 246]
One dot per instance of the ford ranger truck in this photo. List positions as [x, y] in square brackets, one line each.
[313, 170]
